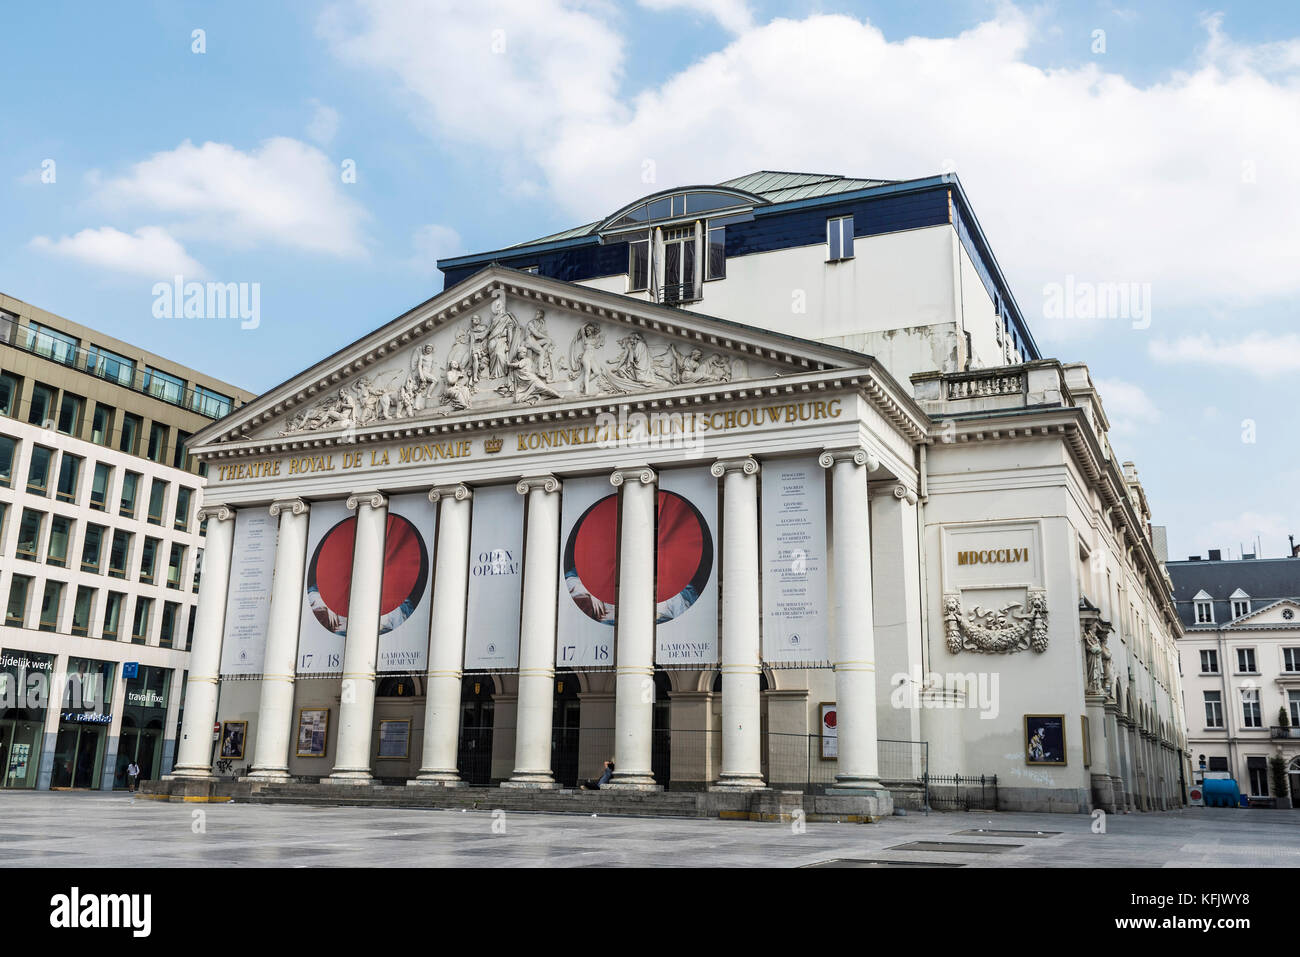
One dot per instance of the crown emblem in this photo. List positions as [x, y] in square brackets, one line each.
[492, 444]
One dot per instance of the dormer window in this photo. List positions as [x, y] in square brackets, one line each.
[1204, 606]
[1240, 603]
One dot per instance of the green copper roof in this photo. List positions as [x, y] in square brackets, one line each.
[773, 186]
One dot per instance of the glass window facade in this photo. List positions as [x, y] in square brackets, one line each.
[25, 678]
[41, 410]
[38, 471]
[99, 486]
[69, 475]
[29, 534]
[92, 548]
[10, 388]
[132, 425]
[110, 365]
[101, 424]
[157, 501]
[183, 497]
[130, 486]
[70, 406]
[56, 552]
[8, 455]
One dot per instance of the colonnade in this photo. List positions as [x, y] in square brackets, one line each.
[851, 622]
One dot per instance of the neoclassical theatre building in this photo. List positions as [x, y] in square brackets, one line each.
[762, 484]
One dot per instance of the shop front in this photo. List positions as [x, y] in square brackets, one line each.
[24, 695]
[144, 715]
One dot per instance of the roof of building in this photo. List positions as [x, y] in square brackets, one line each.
[775, 186]
[1265, 580]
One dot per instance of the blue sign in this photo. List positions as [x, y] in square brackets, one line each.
[130, 669]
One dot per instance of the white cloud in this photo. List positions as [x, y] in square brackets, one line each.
[324, 124]
[1127, 406]
[431, 243]
[732, 15]
[150, 251]
[1259, 354]
[285, 192]
[1072, 170]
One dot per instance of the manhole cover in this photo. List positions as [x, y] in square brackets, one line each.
[961, 847]
[993, 832]
[867, 862]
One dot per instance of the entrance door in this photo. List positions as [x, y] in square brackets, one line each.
[661, 748]
[477, 713]
[77, 753]
[565, 720]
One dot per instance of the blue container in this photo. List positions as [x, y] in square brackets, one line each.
[1222, 792]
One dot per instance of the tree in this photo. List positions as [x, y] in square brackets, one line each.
[1277, 769]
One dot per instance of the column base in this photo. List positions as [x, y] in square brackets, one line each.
[632, 782]
[269, 775]
[849, 784]
[350, 777]
[190, 774]
[739, 782]
[437, 779]
[534, 780]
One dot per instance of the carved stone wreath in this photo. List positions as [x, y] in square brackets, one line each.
[997, 630]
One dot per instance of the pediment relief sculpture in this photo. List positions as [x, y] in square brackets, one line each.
[493, 360]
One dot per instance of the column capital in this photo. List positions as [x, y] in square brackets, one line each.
[855, 454]
[547, 483]
[635, 473]
[894, 490]
[372, 497]
[459, 491]
[220, 511]
[295, 506]
[746, 464]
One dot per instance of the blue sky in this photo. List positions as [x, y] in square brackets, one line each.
[1158, 151]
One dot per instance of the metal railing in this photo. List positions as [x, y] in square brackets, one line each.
[1284, 731]
[957, 793]
[685, 760]
[112, 369]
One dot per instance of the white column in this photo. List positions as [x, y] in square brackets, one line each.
[446, 639]
[851, 619]
[194, 750]
[357, 705]
[536, 701]
[742, 759]
[275, 708]
[634, 664]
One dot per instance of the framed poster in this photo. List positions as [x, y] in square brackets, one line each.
[830, 731]
[793, 536]
[1045, 739]
[233, 734]
[313, 729]
[394, 737]
[1087, 742]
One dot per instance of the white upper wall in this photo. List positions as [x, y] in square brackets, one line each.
[901, 298]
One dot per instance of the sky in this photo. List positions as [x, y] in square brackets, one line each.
[331, 153]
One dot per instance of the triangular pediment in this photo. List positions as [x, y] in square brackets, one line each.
[503, 341]
[1283, 614]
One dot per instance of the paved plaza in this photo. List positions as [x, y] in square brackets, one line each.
[40, 829]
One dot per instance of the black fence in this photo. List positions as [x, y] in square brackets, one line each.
[686, 760]
[957, 793]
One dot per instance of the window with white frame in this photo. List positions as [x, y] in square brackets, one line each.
[1209, 662]
[1293, 707]
[1250, 714]
[1213, 709]
[1205, 613]
[1246, 661]
[1291, 659]
[839, 238]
